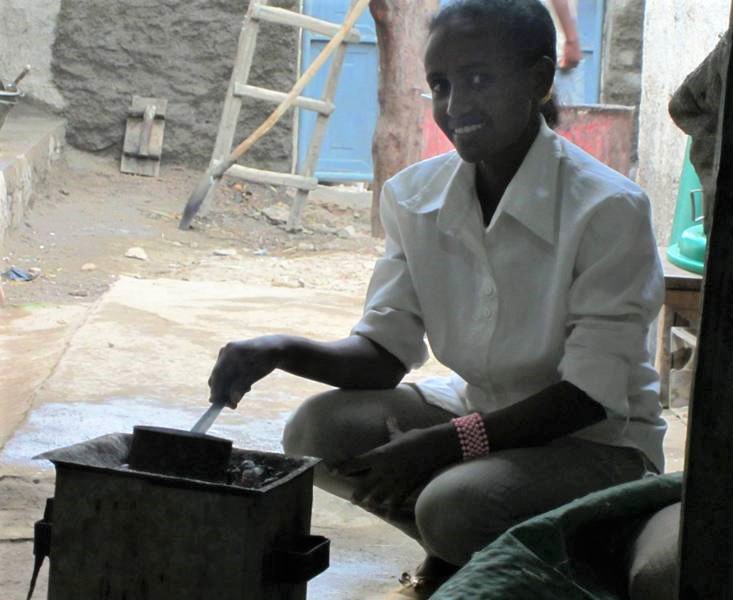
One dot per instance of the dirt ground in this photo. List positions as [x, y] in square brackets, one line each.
[93, 214]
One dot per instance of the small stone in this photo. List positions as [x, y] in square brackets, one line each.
[110, 345]
[346, 232]
[261, 252]
[306, 246]
[379, 248]
[225, 252]
[137, 253]
[34, 271]
[277, 214]
[64, 192]
[286, 282]
[79, 293]
[238, 187]
[88, 267]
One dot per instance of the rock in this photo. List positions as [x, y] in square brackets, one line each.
[261, 252]
[306, 246]
[79, 293]
[346, 232]
[89, 267]
[34, 271]
[277, 214]
[379, 248]
[287, 282]
[225, 252]
[137, 253]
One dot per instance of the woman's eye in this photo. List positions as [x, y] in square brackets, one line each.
[439, 87]
[478, 80]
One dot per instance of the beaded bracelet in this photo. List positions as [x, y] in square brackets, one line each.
[471, 435]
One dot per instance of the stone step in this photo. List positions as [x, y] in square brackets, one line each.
[30, 142]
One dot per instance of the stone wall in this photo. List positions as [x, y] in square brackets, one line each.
[89, 59]
[26, 37]
[678, 34]
[621, 62]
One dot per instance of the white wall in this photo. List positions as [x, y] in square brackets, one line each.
[678, 35]
[26, 37]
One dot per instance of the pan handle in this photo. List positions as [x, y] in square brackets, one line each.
[298, 561]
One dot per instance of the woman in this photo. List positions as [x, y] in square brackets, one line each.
[533, 270]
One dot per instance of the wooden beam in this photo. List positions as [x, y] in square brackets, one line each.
[283, 16]
[706, 538]
[273, 177]
[251, 91]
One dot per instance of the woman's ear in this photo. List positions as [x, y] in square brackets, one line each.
[543, 75]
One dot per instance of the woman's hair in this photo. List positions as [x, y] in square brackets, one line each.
[524, 25]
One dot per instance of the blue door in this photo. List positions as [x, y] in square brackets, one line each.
[346, 151]
[582, 85]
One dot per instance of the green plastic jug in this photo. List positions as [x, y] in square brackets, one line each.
[688, 241]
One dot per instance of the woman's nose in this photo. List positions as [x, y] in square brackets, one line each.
[457, 103]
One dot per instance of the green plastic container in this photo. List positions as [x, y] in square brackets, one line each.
[687, 241]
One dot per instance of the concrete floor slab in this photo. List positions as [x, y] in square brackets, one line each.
[143, 356]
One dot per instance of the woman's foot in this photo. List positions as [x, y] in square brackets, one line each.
[428, 577]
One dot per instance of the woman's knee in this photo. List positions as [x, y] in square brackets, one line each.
[310, 429]
[456, 517]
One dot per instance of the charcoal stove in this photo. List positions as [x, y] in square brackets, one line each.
[116, 531]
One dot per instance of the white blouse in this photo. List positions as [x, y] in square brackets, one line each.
[562, 285]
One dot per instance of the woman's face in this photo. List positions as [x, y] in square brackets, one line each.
[484, 99]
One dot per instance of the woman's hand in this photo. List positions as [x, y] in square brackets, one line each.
[571, 56]
[240, 364]
[390, 473]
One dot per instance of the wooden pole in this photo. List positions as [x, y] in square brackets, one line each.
[397, 142]
[706, 538]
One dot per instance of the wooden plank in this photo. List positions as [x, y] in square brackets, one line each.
[273, 177]
[282, 16]
[233, 103]
[251, 91]
[679, 300]
[677, 278]
[134, 132]
[136, 165]
[140, 103]
[686, 334]
[706, 553]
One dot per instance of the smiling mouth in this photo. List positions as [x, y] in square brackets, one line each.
[468, 129]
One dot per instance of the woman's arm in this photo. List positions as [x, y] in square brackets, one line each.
[572, 53]
[390, 473]
[352, 363]
[556, 411]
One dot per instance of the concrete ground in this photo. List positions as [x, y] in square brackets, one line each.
[141, 355]
[90, 351]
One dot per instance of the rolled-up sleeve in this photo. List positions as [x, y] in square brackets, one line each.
[617, 290]
[392, 316]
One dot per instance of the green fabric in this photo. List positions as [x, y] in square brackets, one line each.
[577, 551]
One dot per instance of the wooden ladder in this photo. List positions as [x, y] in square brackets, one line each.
[305, 180]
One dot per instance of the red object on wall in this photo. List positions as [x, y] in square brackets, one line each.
[434, 140]
[604, 131]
